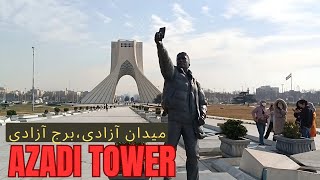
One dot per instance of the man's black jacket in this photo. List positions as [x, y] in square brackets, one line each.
[306, 117]
[183, 97]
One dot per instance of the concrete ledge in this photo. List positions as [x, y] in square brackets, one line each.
[56, 116]
[272, 173]
[33, 119]
[7, 120]
[27, 116]
[245, 121]
[75, 113]
[3, 122]
[13, 122]
[222, 166]
[253, 162]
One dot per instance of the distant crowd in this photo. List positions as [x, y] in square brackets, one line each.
[274, 118]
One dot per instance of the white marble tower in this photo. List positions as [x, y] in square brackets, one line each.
[126, 59]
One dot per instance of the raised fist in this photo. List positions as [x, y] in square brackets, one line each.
[158, 37]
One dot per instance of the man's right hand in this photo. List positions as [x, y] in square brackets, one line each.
[157, 37]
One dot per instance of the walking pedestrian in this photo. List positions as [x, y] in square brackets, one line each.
[280, 116]
[260, 116]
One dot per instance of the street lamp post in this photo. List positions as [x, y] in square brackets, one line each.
[33, 80]
[5, 94]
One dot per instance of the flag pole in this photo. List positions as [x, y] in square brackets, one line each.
[33, 80]
[291, 81]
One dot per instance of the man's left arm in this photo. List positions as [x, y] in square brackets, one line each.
[202, 102]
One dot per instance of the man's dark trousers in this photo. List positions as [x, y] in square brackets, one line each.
[175, 130]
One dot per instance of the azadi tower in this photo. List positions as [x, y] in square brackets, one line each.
[126, 59]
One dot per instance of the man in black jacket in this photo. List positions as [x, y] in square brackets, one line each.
[305, 115]
[184, 101]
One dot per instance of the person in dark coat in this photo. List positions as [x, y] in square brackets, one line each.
[270, 113]
[184, 101]
[306, 116]
[297, 115]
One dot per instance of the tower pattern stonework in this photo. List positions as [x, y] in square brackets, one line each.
[126, 59]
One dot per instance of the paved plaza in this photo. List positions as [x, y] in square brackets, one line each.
[119, 114]
[209, 147]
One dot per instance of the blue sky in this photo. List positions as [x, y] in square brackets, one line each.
[232, 44]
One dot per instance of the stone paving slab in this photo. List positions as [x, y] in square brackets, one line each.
[203, 176]
[224, 165]
[310, 159]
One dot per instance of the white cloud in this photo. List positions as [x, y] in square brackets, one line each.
[49, 20]
[284, 12]
[137, 38]
[127, 16]
[230, 58]
[105, 18]
[182, 24]
[178, 11]
[220, 59]
[205, 9]
[128, 24]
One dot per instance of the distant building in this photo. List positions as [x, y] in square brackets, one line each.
[2, 94]
[38, 93]
[2, 90]
[243, 98]
[267, 93]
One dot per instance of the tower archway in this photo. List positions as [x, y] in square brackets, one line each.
[126, 59]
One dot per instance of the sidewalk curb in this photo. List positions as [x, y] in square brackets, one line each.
[24, 120]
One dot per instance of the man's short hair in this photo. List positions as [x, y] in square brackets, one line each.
[182, 54]
[302, 101]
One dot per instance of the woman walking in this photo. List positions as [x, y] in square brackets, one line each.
[260, 116]
[280, 116]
